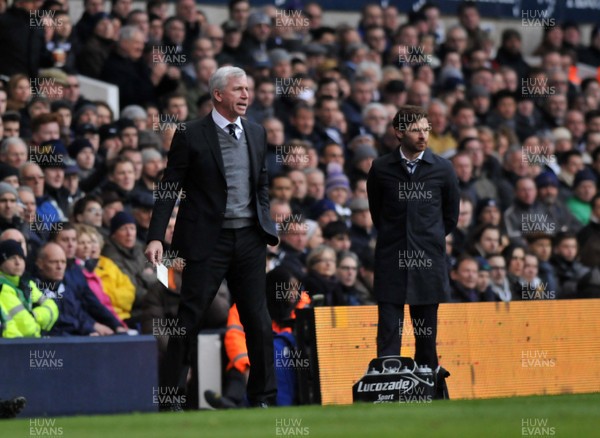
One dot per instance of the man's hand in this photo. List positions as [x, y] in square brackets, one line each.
[159, 69]
[173, 73]
[154, 252]
[102, 330]
[113, 150]
[121, 330]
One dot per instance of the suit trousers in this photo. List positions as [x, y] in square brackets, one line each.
[239, 257]
[390, 329]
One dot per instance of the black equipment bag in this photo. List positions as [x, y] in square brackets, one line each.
[396, 379]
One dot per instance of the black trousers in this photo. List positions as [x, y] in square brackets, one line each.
[390, 329]
[239, 256]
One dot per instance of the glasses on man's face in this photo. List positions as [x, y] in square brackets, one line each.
[498, 268]
[34, 178]
[348, 268]
[518, 258]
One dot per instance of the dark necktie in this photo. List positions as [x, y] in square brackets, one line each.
[410, 165]
[231, 127]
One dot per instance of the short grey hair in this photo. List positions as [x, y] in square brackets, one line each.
[544, 135]
[8, 142]
[439, 103]
[317, 253]
[512, 150]
[133, 112]
[373, 106]
[365, 66]
[353, 48]
[25, 189]
[126, 33]
[220, 78]
[456, 27]
[310, 170]
[348, 255]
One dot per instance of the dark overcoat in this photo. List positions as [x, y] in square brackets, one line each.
[412, 214]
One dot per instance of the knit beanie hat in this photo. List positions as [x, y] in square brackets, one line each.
[7, 188]
[78, 145]
[9, 248]
[321, 207]
[336, 178]
[584, 175]
[120, 219]
[7, 170]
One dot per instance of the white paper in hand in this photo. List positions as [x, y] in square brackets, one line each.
[162, 273]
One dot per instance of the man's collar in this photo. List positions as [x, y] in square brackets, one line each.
[420, 157]
[222, 122]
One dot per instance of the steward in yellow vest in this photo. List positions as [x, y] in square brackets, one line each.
[24, 310]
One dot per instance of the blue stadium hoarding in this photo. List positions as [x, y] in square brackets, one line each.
[580, 11]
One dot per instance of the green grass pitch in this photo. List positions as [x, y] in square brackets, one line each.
[561, 416]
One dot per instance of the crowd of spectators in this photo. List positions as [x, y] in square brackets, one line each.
[78, 184]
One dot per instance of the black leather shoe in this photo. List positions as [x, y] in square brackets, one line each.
[441, 388]
[218, 401]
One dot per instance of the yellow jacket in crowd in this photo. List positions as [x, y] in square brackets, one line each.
[24, 313]
[117, 286]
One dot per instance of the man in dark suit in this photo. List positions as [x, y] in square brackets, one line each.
[216, 167]
[414, 200]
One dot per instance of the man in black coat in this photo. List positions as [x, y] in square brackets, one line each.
[22, 46]
[125, 68]
[85, 26]
[217, 169]
[509, 53]
[255, 41]
[414, 203]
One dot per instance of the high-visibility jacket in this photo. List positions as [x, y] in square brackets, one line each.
[235, 338]
[25, 310]
[235, 342]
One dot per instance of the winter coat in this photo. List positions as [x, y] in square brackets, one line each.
[24, 310]
[95, 285]
[413, 213]
[117, 286]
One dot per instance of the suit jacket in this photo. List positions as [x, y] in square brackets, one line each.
[195, 165]
[412, 214]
